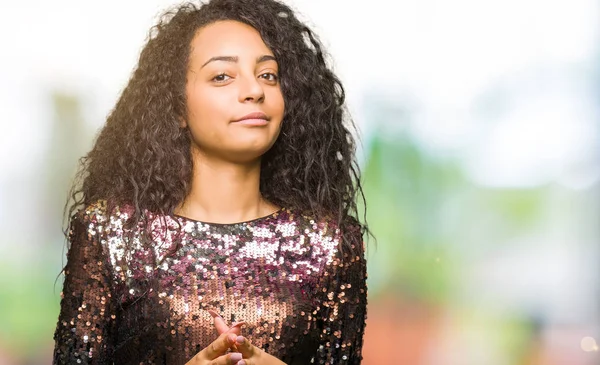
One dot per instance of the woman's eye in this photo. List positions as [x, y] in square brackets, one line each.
[219, 77]
[222, 77]
[274, 76]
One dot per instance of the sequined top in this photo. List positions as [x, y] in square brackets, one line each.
[282, 274]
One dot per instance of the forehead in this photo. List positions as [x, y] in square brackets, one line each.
[227, 38]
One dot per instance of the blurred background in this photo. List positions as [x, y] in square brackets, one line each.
[480, 152]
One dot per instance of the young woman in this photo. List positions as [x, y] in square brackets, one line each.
[216, 219]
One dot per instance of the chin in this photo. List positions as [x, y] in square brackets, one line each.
[253, 144]
[248, 152]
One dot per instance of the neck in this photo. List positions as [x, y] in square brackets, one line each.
[224, 192]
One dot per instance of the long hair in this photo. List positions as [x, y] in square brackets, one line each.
[142, 157]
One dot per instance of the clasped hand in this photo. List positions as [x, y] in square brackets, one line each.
[243, 352]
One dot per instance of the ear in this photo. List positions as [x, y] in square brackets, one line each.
[182, 122]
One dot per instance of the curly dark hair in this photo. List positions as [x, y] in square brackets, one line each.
[142, 157]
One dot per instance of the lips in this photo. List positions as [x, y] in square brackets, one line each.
[255, 115]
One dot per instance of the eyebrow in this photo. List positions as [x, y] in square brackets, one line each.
[259, 59]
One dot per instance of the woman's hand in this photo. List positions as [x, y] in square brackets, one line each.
[222, 327]
[214, 354]
[253, 355]
[216, 351]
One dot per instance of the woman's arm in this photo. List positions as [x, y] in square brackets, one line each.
[344, 308]
[86, 323]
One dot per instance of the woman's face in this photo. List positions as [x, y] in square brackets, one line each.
[232, 73]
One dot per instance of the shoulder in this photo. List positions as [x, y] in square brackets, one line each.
[99, 217]
[307, 223]
[329, 225]
[344, 236]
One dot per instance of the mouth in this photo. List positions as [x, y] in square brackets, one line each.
[253, 119]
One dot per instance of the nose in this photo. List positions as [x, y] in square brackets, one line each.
[251, 89]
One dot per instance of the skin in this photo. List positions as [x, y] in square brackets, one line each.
[226, 155]
[229, 338]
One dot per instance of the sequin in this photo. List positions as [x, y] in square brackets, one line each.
[282, 274]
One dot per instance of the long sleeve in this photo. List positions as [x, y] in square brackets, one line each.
[344, 308]
[86, 323]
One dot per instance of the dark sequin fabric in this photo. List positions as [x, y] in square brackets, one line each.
[282, 274]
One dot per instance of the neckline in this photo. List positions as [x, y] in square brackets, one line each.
[273, 214]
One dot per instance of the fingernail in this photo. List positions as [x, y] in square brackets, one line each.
[241, 362]
[240, 324]
[240, 339]
[214, 314]
[235, 357]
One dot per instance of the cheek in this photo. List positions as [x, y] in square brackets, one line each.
[207, 109]
[277, 104]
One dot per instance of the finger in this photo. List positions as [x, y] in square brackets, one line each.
[240, 323]
[232, 358]
[245, 347]
[219, 322]
[222, 327]
[219, 346]
[236, 330]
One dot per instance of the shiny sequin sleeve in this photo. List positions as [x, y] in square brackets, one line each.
[141, 294]
[87, 320]
[343, 308]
